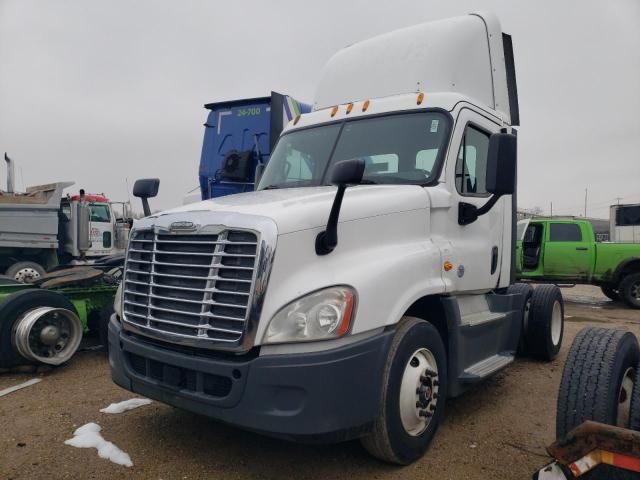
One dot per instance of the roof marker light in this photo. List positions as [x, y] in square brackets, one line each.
[349, 108]
[296, 120]
[365, 105]
[420, 98]
[334, 110]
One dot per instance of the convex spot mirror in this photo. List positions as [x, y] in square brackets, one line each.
[146, 187]
[348, 172]
[501, 164]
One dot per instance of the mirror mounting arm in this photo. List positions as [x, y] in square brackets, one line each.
[327, 240]
[469, 213]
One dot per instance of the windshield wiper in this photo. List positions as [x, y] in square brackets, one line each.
[271, 187]
[366, 181]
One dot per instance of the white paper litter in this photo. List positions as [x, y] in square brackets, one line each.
[28, 383]
[88, 436]
[126, 405]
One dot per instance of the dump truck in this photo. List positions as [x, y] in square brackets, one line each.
[371, 275]
[565, 251]
[239, 136]
[42, 228]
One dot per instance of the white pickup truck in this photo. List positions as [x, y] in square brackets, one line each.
[371, 275]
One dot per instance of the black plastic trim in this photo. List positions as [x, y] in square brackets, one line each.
[512, 87]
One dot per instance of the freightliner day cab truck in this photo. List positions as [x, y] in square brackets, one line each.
[369, 277]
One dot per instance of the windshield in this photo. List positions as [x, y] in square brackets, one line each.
[397, 149]
[100, 212]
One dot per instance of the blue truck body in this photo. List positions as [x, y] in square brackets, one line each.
[238, 135]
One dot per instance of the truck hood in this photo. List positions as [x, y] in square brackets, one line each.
[294, 209]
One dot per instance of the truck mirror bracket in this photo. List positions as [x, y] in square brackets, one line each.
[469, 213]
[344, 173]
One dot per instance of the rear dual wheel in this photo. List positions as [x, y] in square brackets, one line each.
[413, 394]
[38, 326]
[542, 320]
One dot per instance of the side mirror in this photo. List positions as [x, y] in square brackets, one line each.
[343, 174]
[144, 189]
[348, 172]
[501, 164]
[501, 176]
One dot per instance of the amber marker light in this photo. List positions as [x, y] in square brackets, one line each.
[420, 98]
[334, 110]
[345, 323]
[349, 108]
[447, 266]
[365, 105]
[297, 119]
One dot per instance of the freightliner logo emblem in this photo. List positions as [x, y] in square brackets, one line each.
[182, 226]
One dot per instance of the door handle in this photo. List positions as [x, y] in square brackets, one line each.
[582, 248]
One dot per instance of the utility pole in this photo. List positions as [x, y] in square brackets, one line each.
[551, 209]
[585, 203]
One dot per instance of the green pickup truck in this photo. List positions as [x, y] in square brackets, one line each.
[565, 251]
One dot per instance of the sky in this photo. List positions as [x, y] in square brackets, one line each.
[104, 92]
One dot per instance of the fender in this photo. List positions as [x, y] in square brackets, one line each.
[631, 263]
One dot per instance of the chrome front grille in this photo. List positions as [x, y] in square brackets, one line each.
[190, 286]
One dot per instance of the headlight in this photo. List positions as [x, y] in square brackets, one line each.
[320, 315]
[117, 302]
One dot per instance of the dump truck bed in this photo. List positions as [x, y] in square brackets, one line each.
[30, 220]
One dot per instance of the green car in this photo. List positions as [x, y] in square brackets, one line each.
[565, 251]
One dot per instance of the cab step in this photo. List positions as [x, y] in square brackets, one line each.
[481, 370]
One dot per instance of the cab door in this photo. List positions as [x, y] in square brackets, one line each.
[477, 248]
[567, 253]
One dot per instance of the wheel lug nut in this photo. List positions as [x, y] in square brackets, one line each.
[436, 383]
[425, 414]
[432, 407]
[434, 396]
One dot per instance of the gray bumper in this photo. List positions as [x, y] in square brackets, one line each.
[322, 396]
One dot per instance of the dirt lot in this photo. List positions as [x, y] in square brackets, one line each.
[496, 431]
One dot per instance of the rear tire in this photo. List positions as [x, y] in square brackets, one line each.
[414, 390]
[630, 290]
[611, 293]
[12, 308]
[25, 272]
[526, 291]
[597, 380]
[545, 327]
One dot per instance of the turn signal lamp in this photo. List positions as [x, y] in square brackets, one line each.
[334, 110]
[447, 266]
[365, 105]
[349, 108]
[420, 98]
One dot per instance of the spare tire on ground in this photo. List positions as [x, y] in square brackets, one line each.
[38, 326]
[598, 379]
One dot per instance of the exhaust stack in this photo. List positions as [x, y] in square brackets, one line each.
[10, 174]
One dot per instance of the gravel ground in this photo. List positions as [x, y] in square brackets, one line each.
[496, 431]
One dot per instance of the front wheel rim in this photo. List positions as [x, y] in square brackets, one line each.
[47, 335]
[419, 391]
[26, 274]
[556, 323]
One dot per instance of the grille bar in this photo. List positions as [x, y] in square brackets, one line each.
[190, 285]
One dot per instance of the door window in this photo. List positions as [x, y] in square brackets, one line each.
[471, 167]
[565, 232]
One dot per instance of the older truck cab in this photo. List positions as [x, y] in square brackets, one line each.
[369, 277]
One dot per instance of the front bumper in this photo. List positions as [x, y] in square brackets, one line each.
[321, 396]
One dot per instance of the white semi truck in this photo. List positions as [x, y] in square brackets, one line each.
[371, 275]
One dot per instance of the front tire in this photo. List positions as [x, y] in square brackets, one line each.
[611, 293]
[413, 394]
[25, 272]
